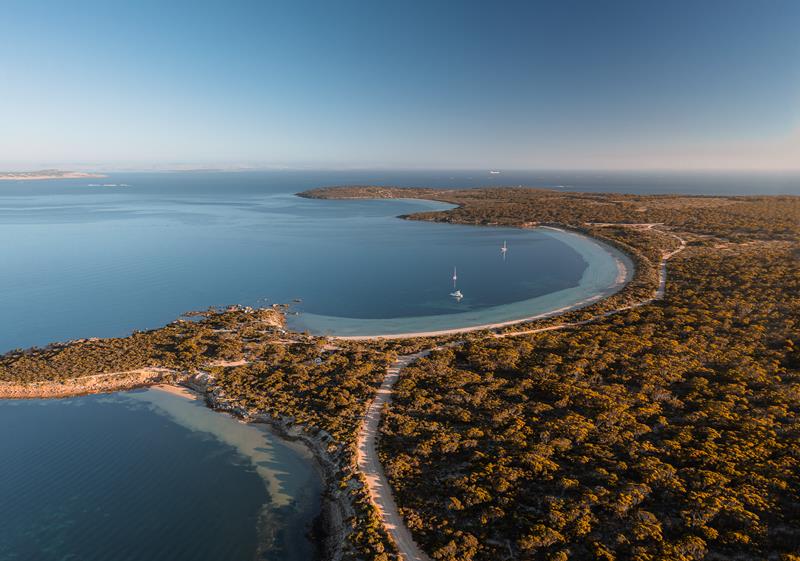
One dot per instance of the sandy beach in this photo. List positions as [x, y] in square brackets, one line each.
[624, 275]
[179, 391]
[472, 328]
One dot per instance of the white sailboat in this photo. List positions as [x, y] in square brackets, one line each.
[504, 249]
[456, 293]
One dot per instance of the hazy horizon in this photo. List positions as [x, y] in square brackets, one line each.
[237, 168]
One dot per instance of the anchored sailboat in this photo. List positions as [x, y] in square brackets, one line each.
[504, 248]
[456, 293]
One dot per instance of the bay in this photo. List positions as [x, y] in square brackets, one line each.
[101, 258]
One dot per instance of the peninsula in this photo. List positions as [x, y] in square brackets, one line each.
[661, 422]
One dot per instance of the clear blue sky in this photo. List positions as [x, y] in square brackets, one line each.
[428, 84]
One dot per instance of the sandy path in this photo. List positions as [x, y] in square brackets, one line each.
[367, 458]
[662, 273]
[230, 363]
[639, 225]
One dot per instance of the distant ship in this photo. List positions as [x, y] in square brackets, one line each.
[494, 172]
[456, 293]
[504, 248]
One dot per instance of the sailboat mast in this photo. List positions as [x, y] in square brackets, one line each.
[455, 278]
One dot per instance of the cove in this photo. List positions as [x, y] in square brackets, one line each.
[606, 271]
[149, 475]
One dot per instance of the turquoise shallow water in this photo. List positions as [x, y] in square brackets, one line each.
[98, 258]
[148, 476]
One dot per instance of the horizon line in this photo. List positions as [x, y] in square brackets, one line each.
[188, 168]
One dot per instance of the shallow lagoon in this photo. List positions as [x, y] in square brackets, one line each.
[147, 475]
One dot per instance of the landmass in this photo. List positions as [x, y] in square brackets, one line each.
[46, 174]
[662, 422]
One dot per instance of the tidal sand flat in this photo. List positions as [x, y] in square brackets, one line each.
[148, 475]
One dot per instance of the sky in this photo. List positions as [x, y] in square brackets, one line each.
[561, 84]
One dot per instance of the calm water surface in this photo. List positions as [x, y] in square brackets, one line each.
[88, 258]
[146, 476]
[101, 257]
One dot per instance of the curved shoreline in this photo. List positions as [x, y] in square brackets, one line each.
[625, 274]
[328, 528]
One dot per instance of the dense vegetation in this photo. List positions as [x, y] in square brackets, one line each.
[181, 345]
[736, 218]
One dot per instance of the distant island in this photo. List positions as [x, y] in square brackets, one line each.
[45, 174]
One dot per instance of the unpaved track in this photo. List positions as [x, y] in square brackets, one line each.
[367, 457]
